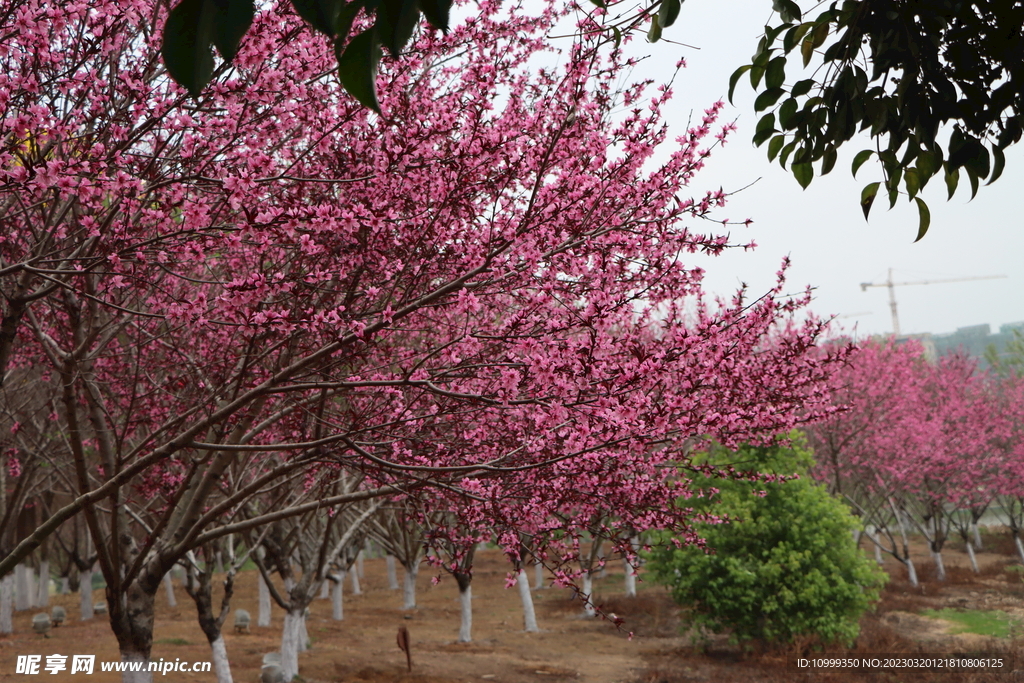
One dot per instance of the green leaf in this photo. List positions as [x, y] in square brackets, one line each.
[756, 72]
[912, 181]
[928, 164]
[804, 173]
[654, 34]
[894, 194]
[617, 36]
[775, 145]
[599, 3]
[357, 67]
[786, 112]
[765, 129]
[807, 49]
[794, 35]
[997, 167]
[768, 98]
[867, 198]
[233, 21]
[187, 39]
[775, 73]
[396, 20]
[859, 160]
[820, 33]
[786, 151]
[436, 12]
[952, 180]
[669, 12]
[320, 14]
[924, 216]
[736, 77]
[973, 178]
[788, 10]
[347, 15]
[828, 161]
[802, 87]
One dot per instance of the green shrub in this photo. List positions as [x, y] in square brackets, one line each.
[785, 566]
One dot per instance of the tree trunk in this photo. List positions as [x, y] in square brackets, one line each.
[303, 633]
[141, 676]
[940, 568]
[970, 555]
[338, 598]
[1019, 546]
[85, 594]
[354, 573]
[538, 575]
[170, 592]
[43, 588]
[359, 564]
[290, 635]
[131, 619]
[221, 665]
[878, 546]
[911, 572]
[630, 579]
[465, 607]
[325, 590]
[7, 604]
[263, 618]
[588, 595]
[392, 576]
[409, 586]
[65, 585]
[529, 615]
[22, 594]
[977, 536]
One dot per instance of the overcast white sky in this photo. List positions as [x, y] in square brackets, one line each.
[822, 229]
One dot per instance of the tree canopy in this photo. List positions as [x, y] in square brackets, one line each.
[937, 85]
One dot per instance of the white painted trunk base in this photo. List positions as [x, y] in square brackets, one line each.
[22, 596]
[409, 587]
[940, 567]
[912, 573]
[359, 564]
[170, 592]
[977, 536]
[65, 585]
[43, 588]
[7, 604]
[466, 614]
[971, 557]
[1020, 548]
[538, 576]
[526, 597]
[263, 618]
[144, 676]
[354, 574]
[389, 561]
[290, 635]
[85, 595]
[588, 594]
[303, 634]
[338, 599]
[629, 579]
[221, 665]
[325, 590]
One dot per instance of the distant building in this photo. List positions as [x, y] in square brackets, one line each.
[974, 340]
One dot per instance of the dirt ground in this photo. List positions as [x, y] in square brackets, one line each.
[570, 648]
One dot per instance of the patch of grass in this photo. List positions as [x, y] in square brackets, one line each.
[171, 641]
[983, 623]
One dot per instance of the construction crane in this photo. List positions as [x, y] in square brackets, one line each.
[892, 291]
